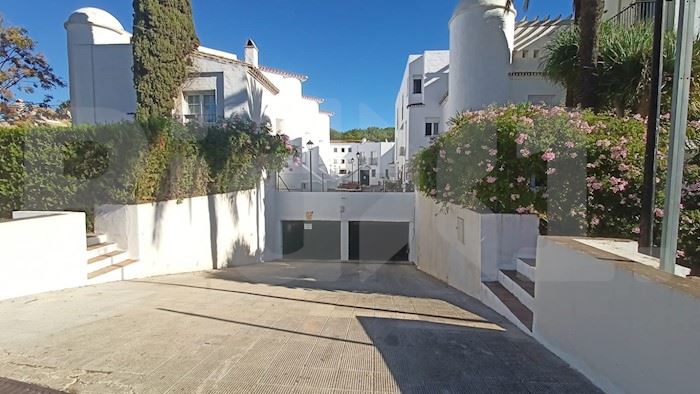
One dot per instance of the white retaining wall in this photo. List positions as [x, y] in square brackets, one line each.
[627, 326]
[491, 242]
[42, 251]
[195, 234]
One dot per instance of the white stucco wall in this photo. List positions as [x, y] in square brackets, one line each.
[491, 242]
[628, 327]
[195, 234]
[341, 207]
[481, 43]
[42, 251]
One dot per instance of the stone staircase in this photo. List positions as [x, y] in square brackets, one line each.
[105, 260]
[513, 295]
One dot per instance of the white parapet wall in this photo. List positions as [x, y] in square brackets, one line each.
[627, 326]
[194, 234]
[42, 251]
[464, 248]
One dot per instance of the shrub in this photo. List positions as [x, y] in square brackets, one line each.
[77, 168]
[580, 172]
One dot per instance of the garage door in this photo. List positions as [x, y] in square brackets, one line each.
[316, 240]
[378, 241]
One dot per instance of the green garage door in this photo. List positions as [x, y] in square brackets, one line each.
[316, 240]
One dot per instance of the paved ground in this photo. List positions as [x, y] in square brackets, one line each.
[274, 328]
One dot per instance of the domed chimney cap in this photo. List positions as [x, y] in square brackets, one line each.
[97, 17]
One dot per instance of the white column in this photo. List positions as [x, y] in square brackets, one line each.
[344, 240]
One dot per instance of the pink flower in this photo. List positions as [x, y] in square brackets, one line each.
[680, 254]
[458, 150]
[573, 155]
[443, 153]
[493, 152]
[525, 152]
[549, 155]
[551, 171]
[515, 197]
[522, 137]
[636, 230]
[623, 167]
[521, 179]
[570, 144]
[658, 212]
[491, 179]
[493, 199]
[490, 167]
[448, 187]
[595, 221]
[603, 143]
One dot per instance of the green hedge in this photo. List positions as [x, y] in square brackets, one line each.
[80, 167]
[580, 172]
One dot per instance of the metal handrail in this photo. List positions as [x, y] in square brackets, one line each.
[639, 11]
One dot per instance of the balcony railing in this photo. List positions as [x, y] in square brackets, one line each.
[636, 13]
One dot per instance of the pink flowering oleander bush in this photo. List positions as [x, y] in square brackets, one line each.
[580, 172]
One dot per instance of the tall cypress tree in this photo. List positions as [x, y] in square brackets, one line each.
[164, 38]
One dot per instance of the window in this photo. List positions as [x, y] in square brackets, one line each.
[342, 150]
[432, 128]
[201, 107]
[402, 151]
[417, 85]
[343, 172]
[349, 150]
[342, 161]
[386, 174]
[372, 160]
[536, 53]
[374, 173]
[524, 53]
[335, 161]
[335, 150]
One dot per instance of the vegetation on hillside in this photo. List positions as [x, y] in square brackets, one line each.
[376, 134]
[163, 42]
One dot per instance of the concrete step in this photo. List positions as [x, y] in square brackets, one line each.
[94, 239]
[107, 259]
[518, 285]
[109, 273]
[526, 266]
[100, 249]
[505, 303]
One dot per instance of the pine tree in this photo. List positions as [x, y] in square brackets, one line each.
[164, 39]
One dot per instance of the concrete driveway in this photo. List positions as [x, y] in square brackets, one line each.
[274, 328]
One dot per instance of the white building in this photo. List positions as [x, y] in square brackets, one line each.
[370, 163]
[101, 88]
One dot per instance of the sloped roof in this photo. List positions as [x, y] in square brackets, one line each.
[314, 99]
[528, 32]
[288, 74]
[252, 70]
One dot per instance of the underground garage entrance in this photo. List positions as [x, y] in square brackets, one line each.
[365, 240]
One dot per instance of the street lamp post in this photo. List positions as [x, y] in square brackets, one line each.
[352, 169]
[310, 145]
[358, 170]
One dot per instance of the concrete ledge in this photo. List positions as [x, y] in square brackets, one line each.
[627, 326]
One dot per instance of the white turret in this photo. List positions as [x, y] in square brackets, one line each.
[99, 99]
[481, 44]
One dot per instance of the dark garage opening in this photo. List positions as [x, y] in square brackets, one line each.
[378, 241]
[316, 240]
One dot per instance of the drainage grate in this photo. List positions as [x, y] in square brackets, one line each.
[8, 386]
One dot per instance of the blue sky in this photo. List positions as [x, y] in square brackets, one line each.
[354, 51]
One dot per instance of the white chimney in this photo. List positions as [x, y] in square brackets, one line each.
[251, 53]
